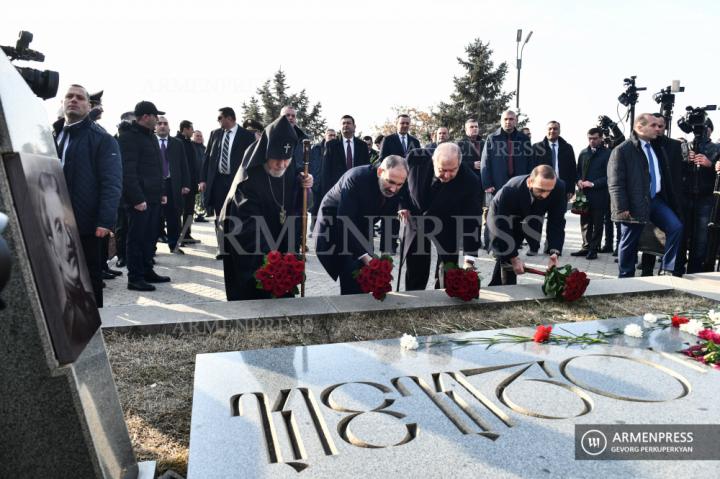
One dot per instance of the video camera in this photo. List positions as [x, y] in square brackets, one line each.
[694, 120]
[630, 95]
[43, 83]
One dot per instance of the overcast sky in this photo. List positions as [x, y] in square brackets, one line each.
[191, 58]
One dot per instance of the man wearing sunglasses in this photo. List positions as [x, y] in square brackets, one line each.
[510, 219]
[223, 155]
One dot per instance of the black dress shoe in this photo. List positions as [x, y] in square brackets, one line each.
[108, 275]
[200, 219]
[140, 285]
[190, 240]
[582, 252]
[153, 277]
[121, 263]
[606, 249]
[176, 251]
[615, 253]
[113, 272]
[591, 255]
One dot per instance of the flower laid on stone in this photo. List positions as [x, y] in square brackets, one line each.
[461, 283]
[375, 277]
[650, 318]
[678, 320]
[280, 274]
[693, 326]
[707, 351]
[634, 330]
[542, 334]
[409, 342]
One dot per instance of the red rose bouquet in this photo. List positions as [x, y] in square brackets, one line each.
[461, 283]
[708, 350]
[375, 277]
[564, 283]
[280, 274]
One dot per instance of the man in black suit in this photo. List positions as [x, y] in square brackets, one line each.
[472, 146]
[223, 155]
[176, 181]
[441, 135]
[558, 154]
[343, 233]
[442, 195]
[592, 174]
[342, 154]
[184, 134]
[399, 144]
[523, 198]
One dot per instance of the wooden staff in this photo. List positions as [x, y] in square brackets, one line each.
[306, 169]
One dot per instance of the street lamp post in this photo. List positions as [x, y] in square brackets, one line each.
[518, 57]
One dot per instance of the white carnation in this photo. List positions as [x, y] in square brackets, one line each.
[714, 317]
[409, 342]
[650, 318]
[634, 330]
[694, 326]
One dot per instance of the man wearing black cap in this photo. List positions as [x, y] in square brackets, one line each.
[261, 212]
[223, 155]
[143, 193]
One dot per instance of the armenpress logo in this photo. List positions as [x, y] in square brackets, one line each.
[593, 442]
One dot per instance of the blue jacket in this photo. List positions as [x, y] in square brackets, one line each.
[494, 161]
[93, 173]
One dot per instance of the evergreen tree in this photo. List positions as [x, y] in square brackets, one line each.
[478, 94]
[273, 95]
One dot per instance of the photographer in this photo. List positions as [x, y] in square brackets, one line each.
[611, 137]
[697, 185]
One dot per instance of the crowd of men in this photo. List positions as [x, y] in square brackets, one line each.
[451, 196]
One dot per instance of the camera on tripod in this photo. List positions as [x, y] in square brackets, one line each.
[694, 120]
[630, 95]
[44, 83]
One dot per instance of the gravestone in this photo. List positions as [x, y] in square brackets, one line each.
[59, 410]
[372, 409]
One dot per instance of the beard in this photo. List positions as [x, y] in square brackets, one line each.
[275, 173]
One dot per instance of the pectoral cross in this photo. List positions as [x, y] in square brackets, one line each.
[283, 215]
[287, 147]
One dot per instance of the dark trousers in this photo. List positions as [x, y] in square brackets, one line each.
[171, 215]
[663, 217]
[121, 226]
[188, 212]
[389, 244]
[92, 251]
[141, 238]
[611, 227]
[417, 264]
[348, 284]
[697, 213]
[591, 227]
[503, 275]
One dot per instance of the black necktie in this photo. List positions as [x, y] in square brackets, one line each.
[63, 142]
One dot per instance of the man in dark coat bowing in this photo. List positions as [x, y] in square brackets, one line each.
[443, 195]
[344, 229]
[522, 199]
[260, 213]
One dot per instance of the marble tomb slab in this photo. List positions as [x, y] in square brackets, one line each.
[371, 409]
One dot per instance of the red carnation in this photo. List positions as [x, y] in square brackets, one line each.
[678, 320]
[375, 277]
[710, 335]
[542, 334]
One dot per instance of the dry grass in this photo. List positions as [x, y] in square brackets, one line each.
[154, 374]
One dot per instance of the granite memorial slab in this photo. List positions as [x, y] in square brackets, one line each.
[373, 409]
